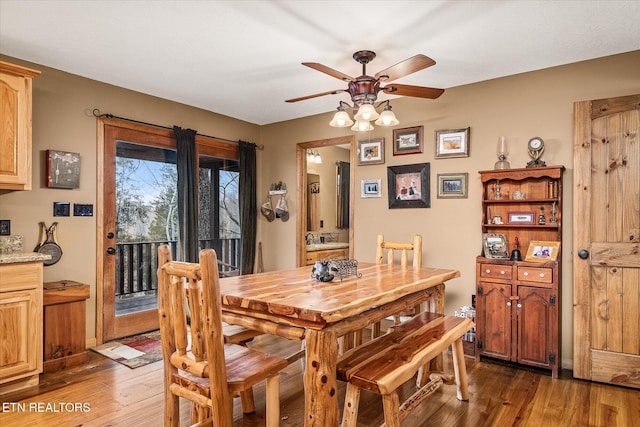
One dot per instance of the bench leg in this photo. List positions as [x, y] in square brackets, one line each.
[351, 403]
[460, 370]
[248, 404]
[391, 404]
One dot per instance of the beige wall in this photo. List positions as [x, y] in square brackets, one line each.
[533, 104]
[519, 107]
[62, 120]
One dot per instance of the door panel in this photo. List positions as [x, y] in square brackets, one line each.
[535, 315]
[607, 251]
[494, 309]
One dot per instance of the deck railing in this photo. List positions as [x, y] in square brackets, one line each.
[137, 263]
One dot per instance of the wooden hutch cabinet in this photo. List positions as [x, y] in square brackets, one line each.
[518, 302]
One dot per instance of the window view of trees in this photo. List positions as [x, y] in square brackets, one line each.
[146, 194]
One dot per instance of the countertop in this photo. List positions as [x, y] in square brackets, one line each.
[326, 246]
[23, 257]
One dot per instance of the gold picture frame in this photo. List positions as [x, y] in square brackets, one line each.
[542, 251]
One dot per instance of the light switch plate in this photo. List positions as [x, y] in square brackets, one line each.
[80, 209]
[5, 227]
[61, 208]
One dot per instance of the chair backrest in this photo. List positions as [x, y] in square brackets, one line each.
[195, 345]
[403, 248]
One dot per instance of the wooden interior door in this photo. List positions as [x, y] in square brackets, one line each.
[606, 242]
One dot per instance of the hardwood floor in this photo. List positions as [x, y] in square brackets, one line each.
[105, 393]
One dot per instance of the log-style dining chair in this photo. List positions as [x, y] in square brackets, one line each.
[198, 365]
[392, 249]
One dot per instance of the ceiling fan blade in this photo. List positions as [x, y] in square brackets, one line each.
[331, 92]
[416, 91]
[404, 68]
[329, 71]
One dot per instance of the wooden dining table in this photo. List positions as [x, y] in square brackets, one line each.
[293, 304]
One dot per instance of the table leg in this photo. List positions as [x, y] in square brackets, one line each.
[320, 383]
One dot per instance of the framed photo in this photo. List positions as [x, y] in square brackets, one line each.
[540, 251]
[63, 169]
[407, 141]
[371, 188]
[452, 143]
[521, 218]
[495, 246]
[409, 186]
[452, 185]
[371, 152]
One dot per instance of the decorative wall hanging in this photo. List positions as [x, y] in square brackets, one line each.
[407, 140]
[48, 244]
[371, 188]
[452, 185]
[371, 152]
[409, 186]
[63, 169]
[452, 143]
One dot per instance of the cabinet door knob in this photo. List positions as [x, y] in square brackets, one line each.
[487, 271]
[526, 273]
[502, 272]
[519, 306]
[509, 304]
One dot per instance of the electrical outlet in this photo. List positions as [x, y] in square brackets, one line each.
[61, 208]
[5, 227]
[82, 209]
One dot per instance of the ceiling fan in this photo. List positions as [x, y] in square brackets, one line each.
[364, 89]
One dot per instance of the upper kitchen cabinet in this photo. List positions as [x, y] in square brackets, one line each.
[15, 130]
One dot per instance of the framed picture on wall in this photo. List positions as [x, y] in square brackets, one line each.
[408, 186]
[63, 169]
[452, 185]
[407, 140]
[371, 152]
[371, 188]
[452, 143]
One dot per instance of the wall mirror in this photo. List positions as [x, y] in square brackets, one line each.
[319, 195]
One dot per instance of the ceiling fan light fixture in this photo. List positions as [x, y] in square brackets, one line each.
[387, 117]
[362, 126]
[341, 119]
[366, 113]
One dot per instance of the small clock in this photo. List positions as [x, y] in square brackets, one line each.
[536, 148]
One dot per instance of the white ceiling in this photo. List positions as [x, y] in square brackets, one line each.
[242, 58]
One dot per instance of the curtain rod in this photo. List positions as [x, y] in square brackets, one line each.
[96, 113]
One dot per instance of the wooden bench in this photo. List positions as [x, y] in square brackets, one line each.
[385, 363]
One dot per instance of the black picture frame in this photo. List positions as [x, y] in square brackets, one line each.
[409, 186]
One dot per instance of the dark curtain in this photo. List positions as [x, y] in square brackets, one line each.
[248, 206]
[187, 194]
[344, 194]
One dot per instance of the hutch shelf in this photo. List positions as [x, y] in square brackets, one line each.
[518, 301]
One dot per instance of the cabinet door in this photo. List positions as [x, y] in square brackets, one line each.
[493, 317]
[20, 342]
[537, 313]
[15, 132]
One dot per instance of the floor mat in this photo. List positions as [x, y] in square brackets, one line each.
[135, 351]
